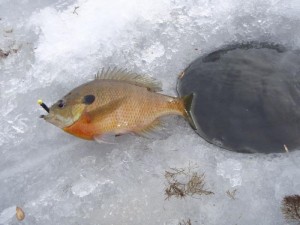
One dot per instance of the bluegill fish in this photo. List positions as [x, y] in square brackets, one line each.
[116, 102]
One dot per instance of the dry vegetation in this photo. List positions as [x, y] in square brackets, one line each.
[291, 207]
[3, 54]
[184, 182]
[231, 194]
[20, 214]
[183, 222]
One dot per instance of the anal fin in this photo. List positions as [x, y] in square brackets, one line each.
[151, 131]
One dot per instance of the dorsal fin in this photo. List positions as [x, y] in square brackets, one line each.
[133, 78]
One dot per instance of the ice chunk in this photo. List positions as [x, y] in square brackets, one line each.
[83, 188]
[7, 214]
[153, 52]
[231, 169]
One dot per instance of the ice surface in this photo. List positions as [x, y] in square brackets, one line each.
[58, 179]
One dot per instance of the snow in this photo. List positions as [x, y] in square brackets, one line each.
[58, 179]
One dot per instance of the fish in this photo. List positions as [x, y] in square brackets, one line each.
[116, 102]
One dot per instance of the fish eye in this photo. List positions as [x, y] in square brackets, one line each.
[60, 104]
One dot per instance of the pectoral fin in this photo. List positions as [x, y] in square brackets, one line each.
[105, 110]
[108, 138]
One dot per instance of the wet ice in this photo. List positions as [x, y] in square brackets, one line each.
[58, 179]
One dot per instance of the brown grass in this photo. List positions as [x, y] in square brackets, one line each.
[3, 54]
[231, 194]
[183, 222]
[183, 182]
[291, 207]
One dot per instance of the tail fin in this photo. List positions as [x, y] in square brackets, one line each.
[188, 102]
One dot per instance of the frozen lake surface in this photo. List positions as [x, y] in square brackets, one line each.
[49, 47]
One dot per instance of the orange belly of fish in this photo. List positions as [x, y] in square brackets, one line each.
[82, 129]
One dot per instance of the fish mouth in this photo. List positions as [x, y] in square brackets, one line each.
[57, 120]
[47, 117]
[50, 118]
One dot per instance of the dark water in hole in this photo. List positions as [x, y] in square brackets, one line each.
[247, 97]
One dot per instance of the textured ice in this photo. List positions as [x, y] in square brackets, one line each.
[58, 179]
[230, 169]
